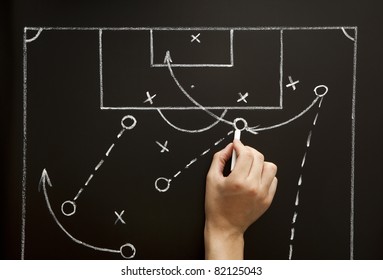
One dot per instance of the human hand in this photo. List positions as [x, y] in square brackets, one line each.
[234, 202]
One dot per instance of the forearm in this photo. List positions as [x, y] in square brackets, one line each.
[221, 245]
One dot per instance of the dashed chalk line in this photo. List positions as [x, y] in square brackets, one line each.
[300, 184]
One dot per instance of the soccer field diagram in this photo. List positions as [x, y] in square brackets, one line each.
[120, 125]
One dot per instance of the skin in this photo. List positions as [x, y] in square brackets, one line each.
[234, 202]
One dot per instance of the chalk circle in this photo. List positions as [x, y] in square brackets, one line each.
[162, 188]
[324, 91]
[68, 204]
[127, 251]
[133, 119]
[242, 124]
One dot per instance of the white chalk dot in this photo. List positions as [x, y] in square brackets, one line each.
[240, 124]
[68, 208]
[127, 251]
[133, 120]
[325, 90]
[162, 184]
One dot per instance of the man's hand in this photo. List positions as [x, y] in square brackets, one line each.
[234, 202]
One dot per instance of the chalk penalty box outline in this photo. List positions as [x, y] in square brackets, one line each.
[190, 48]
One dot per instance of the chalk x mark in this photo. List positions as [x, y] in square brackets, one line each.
[119, 217]
[195, 38]
[242, 97]
[164, 147]
[292, 83]
[150, 98]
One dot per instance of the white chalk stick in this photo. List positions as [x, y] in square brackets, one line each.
[237, 135]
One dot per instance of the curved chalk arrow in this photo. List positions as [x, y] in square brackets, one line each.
[42, 184]
[188, 130]
[168, 61]
[256, 129]
[253, 130]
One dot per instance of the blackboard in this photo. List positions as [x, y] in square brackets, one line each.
[116, 122]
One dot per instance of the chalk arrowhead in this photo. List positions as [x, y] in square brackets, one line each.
[167, 59]
[44, 179]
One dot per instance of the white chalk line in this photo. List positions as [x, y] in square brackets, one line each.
[352, 183]
[121, 132]
[196, 28]
[300, 180]
[190, 65]
[101, 68]
[25, 144]
[281, 71]
[179, 65]
[232, 47]
[309, 139]
[99, 165]
[78, 194]
[191, 162]
[219, 141]
[109, 150]
[183, 108]
[347, 35]
[34, 37]
[303, 160]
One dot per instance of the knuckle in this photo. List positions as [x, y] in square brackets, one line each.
[253, 153]
[247, 152]
[237, 184]
[264, 198]
[258, 194]
[272, 167]
[259, 156]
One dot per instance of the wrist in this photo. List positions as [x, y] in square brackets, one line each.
[223, 243]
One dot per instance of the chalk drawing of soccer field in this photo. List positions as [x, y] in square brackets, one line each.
[255, 80]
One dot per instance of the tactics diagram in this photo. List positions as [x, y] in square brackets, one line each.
[120, 125]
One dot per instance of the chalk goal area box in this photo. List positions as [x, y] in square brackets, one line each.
[192, 48]
[214, 66]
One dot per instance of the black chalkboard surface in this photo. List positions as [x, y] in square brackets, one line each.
[117, 123]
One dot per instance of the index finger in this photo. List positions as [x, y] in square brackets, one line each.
[244, 159]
